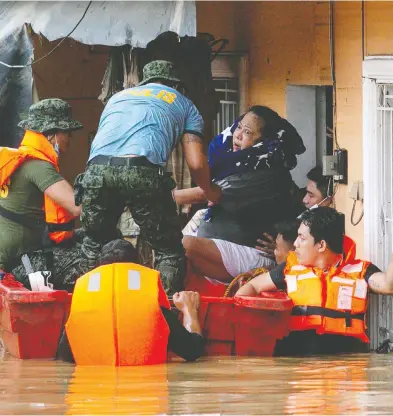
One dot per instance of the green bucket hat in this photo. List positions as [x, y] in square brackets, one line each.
[159, 70]
[52, 113]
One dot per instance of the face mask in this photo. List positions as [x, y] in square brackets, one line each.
[313, 207]
[57, 149]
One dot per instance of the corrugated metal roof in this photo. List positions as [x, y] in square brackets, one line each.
[109, 23]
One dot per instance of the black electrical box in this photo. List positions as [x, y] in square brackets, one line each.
[342, 166]
[336, 165]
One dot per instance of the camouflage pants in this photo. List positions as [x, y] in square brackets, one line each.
[65, 263]
[65, 267]
[104, 191]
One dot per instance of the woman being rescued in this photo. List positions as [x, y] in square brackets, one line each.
[251, 162]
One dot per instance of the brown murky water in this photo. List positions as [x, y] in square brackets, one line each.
[341, 385]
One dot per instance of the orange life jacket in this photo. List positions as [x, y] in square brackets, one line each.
[116, 318]
[35, 146]
[332, 302]
[349, 248]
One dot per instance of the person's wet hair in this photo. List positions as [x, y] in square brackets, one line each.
[326, 224]
[276, 127]
[288, 229]
[270, 119]
[324, 183]
[118, 251]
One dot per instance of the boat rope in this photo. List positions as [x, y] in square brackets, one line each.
[246, 276]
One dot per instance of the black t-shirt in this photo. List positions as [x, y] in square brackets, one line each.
[309, 342]
[185, 344]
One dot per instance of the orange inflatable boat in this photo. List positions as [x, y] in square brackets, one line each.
[31, 322]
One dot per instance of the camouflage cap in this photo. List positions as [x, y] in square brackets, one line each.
[160, 70]
[49, 114]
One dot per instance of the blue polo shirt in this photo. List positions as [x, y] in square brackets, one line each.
[147, 121]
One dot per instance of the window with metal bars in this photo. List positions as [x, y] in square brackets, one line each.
[228, 93]
[384, 131]
[379, 113]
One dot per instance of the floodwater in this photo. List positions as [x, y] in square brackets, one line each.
[340, 385]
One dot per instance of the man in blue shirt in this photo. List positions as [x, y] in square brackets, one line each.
[138, 130]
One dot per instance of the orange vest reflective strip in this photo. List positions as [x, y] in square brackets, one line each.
[333, 302]
[36, 146]
[116, 318]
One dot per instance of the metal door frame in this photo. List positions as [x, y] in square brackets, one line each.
[378, 211]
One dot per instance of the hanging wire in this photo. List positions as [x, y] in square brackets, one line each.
[334, 187]
[50, 52]
[353, 222]
[363, 35]
[333, 70]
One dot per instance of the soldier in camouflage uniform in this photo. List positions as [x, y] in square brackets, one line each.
[22, 218]
[138, 130]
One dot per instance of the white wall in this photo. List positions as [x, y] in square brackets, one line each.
[301, 112]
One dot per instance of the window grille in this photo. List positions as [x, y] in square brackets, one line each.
[380, 316]
[228, 93]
